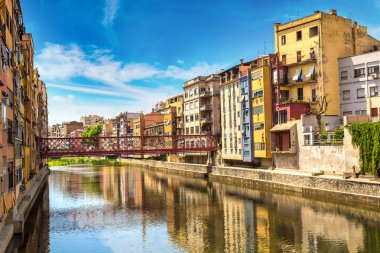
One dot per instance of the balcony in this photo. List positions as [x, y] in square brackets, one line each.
[205, 93]
[284, 149]
[312, 58]
[206, 120]
[206, 108]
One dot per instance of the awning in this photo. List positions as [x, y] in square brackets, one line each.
[283, 127]
[297, 74]
[311, 71]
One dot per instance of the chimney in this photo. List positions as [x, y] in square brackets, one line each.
[333, 12]
[241, 61]
[317, 11]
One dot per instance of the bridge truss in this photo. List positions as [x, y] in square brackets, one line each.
[128, 145]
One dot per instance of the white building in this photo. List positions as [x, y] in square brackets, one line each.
[359, 84]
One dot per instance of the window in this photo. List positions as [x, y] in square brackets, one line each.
[9, 131]
[187, 130]
[347, 113]
[300, 93]
[283, 116]
[258, 110]
[258, 126]
[374, 112]
[259, 146]
[191, 130]
[343, 75]
[373, 91]
[191, 118]
[197, 129]
[346, 95]
[187, 118]
[258, 94]
[191, 105]
[10, 176]
[359, 72]
[186, 107]
[196, 116]
[196, 104]
[360, 93]
[283, 39]
[283, 59]
[313, 95]
[373, 69]
[361, 112]
[195, 91]
[191, 93]
[299, 35]
[313, 31]
[186, 95]
[306, 139]
[299, 56]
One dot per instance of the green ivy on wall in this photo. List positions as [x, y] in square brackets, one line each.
[366, 137]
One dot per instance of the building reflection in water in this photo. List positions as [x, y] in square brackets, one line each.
[203, 216]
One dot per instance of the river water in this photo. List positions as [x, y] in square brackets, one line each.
[130, 209]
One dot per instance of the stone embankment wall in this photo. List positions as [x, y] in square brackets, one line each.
[324, 186]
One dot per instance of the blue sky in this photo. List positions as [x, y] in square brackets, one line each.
[107, 56]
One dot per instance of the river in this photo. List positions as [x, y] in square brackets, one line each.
[131, 209]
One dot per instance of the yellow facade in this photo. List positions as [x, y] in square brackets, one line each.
[262, 104]
[318, 40]
[173, 117]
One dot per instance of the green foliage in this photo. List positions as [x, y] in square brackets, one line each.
[339, 134]
[84, 160]
[366, 136]
[92, 131]
[322, 136]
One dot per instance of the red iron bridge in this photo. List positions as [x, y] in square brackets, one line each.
[128, 145]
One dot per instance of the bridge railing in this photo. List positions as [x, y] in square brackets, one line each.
[126, 145]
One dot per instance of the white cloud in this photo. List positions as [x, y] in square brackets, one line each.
[61, 67]
[110, 11]
[179, 61]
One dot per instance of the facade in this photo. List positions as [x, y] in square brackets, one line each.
[71, 126]
[261, 82]
[201, 105]
[157, 129]
[201, 112]
[91, 120]
[173, 117]
[23, 107]
[308, 50]
[231, 123]
[56, 131]
[360, 84]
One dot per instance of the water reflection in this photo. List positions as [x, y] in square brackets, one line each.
[137, 210]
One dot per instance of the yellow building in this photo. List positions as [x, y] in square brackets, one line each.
[261, 94]
[308, 51]
[173, 115]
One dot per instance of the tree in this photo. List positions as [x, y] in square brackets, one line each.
[322, 108]
[92, 131]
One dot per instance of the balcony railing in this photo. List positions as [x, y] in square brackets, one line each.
[206, 107]
[206, 120]
[205, 94]
[283, 148]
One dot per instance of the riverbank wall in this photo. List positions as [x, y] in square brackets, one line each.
[18, 215]
[308, 184]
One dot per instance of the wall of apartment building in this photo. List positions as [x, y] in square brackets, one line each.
[230, 113]
[359, 92]
[336, 38]
[69, 127]
[191, 114]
